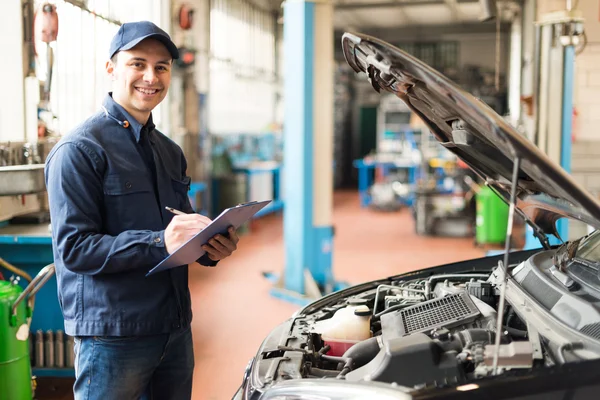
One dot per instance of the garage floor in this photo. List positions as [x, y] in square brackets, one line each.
[233, 310]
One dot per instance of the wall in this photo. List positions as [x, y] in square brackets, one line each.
[71, 66]
[587, 85]
[585, 171]
[481, 49]
[586, 148]
[477, 42]
[243, 82]
[12, 107]
[516, 66]
[159, 13]
[587, 93]
[528, 68]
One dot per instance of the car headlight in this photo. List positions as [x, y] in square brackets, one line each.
[248, 370]
[311, 389]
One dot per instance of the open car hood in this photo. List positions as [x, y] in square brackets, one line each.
[470, 129]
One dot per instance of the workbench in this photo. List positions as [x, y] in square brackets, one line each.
[29, 247]
[366, 167]
[272, 172]
[252, 182]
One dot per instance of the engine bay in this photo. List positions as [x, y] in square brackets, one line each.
[432, 331]
[425, 332]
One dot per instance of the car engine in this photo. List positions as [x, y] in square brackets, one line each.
[416, 333]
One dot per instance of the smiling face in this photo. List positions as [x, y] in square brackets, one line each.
[141, 77]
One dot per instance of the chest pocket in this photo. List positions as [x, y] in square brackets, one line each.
[181, 189]
[130, 203]
[124, 184]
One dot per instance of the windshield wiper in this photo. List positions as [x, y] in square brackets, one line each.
[565, 253]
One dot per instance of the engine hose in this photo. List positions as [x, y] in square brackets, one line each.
[15, 270]
[344, 364]
[509, 319]
[334, 358]
[515, 332]
[470, 336]
[390, 309]
[347, 368]
[466, 338]
[363, 352]
[560, 354]
[510, 316]
[324, 350]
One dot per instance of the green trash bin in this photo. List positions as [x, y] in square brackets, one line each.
[230, 191]
[491, 218]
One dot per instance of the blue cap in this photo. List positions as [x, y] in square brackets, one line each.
[132, 33]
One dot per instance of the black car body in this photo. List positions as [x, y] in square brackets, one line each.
[434, 331]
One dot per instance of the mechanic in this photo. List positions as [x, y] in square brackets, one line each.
[108, 182]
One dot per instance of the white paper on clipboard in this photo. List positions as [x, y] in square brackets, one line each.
[191, 250]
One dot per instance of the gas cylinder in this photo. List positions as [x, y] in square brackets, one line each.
[15, 367]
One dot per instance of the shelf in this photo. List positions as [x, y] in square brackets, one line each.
[25, 234]
[54, 372]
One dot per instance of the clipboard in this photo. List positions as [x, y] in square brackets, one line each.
[192, 250]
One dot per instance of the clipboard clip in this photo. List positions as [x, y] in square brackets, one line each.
[247, 204]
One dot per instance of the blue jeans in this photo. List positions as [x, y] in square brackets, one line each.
[134, 367]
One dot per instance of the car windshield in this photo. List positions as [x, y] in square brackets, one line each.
[589, 249]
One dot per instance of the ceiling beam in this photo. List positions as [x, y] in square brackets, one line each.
[420, 32]
[453, 6]
[402, 12]
[393, 4]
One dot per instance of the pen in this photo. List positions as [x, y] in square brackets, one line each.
[174, 211]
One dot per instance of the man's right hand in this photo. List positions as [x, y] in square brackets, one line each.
[182, 228]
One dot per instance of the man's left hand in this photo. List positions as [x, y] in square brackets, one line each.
[220, 247]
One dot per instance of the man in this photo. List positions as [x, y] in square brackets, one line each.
[109, 182]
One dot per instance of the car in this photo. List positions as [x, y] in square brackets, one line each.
[517, 325]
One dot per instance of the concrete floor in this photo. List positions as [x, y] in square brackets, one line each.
[233, 310]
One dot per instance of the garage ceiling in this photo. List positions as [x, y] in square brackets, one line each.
[386, 14]
[402, 13]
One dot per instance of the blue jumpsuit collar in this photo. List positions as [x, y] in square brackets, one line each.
[119, 114]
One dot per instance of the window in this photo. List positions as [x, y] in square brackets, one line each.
[78, 79]
[242, 67]
[440, 55]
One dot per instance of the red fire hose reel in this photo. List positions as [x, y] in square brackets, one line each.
[45, 30]
[45, 23]
[186, 17]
